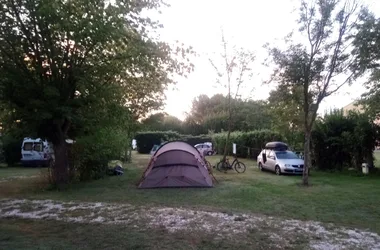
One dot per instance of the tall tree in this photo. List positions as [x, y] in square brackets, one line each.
[162, 122]
[211, 114]
[321, 67]
[367, 54]
[61, 58]
[232, 72]
[286, 110]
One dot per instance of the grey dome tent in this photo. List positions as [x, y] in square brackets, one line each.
[176, 164]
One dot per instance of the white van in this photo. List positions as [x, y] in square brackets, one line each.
[36, 152]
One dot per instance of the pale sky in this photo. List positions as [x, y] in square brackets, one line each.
[246, 23]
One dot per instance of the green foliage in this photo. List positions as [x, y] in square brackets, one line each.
[11, 149]
[66, 64]
[92, 153]
[341, 142]
[162, 122]
[367, 55]
[286, 109]
[210, 114]
[249, 144]
[310, 70]
[147, 139]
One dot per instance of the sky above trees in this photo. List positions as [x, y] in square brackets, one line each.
[246, 24]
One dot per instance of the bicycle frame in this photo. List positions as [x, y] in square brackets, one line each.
[228, 162]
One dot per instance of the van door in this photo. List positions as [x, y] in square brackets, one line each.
[27, 151]
[32, 151]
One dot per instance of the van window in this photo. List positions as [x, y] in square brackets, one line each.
[38, 147]
[28, 146]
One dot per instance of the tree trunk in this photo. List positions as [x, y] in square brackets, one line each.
[229, 123]
[307, 158]
[227, 143]
[60, 169]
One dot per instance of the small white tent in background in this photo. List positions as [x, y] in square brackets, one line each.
[134, 144]
[70, 141]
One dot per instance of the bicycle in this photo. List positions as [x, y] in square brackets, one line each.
[236, 164]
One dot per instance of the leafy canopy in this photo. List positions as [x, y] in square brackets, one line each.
[63, 61]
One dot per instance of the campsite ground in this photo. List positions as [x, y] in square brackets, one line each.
[343, 199]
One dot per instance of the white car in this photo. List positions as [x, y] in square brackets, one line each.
[204, 149]
[280, 161]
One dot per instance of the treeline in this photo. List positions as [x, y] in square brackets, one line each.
[249, 143]
[338, 141]
[209, 114]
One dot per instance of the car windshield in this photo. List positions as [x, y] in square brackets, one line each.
[286, 155]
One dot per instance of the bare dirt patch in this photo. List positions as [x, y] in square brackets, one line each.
[281, 233]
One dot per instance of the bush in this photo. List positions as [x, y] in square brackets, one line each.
[90, 154]
[249, 144]
[11, 149]
[341, 142]
[146, 140]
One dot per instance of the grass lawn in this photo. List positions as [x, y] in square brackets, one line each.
[17, 172]
[339, 198]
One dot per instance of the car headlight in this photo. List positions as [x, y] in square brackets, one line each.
[288, 165]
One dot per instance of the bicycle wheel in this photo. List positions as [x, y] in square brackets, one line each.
[239, 167]
[221, 166]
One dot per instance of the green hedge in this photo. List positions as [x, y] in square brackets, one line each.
[341, 142]
[147, 139]
[249, 144]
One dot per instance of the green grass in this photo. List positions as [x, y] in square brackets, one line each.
[12, 172]
[346, 200]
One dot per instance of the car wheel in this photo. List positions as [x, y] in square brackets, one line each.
[278, 170]
[261, 166]
[209, 153]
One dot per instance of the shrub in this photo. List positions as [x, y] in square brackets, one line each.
[341, 142]
[11, 149]
[249, 144]
[90, 154]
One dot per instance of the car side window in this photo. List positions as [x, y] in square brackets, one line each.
[271, 155]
